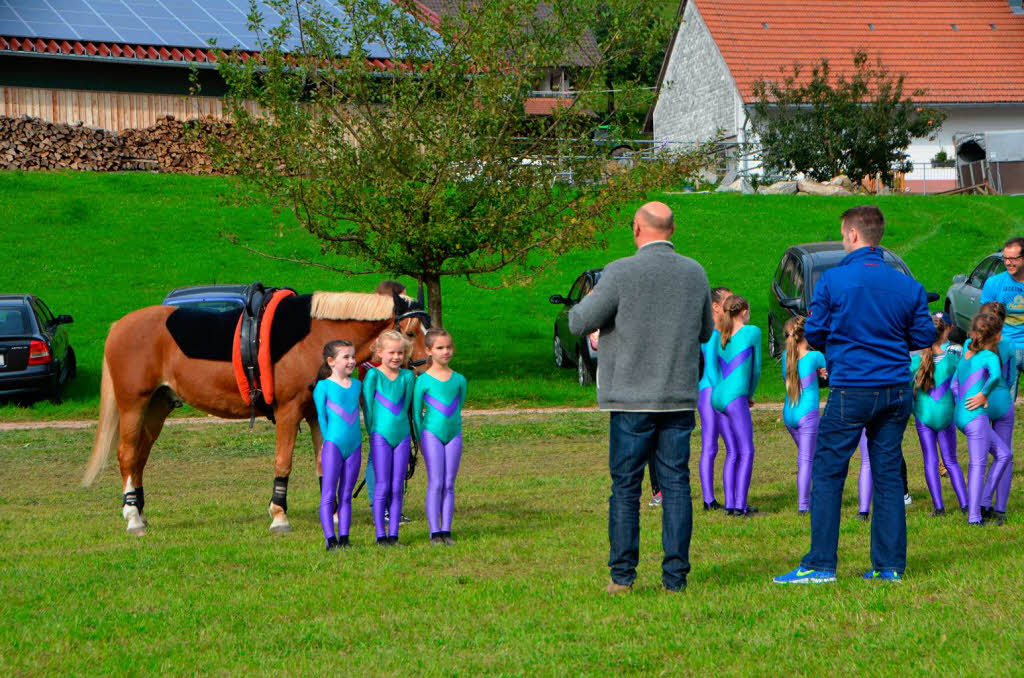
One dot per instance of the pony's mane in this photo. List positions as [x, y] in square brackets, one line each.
[351, 306]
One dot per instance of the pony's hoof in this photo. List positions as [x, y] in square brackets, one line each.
[139, 531]
[280, 528]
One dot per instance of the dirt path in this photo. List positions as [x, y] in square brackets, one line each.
[77, 424]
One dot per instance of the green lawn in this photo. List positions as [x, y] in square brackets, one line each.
[209, 591]
[100, 245]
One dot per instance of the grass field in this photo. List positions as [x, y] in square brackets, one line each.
[100, 245]
[209, 591]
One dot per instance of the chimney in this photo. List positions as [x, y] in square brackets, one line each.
[1017, 6]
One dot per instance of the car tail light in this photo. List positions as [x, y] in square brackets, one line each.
[38, 353]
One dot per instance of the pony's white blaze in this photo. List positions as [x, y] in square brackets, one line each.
[136, 525]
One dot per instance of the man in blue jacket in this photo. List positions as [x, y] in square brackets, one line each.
[1008, 289]
[867, 317]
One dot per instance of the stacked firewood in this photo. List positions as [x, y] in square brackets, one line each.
[170, 145]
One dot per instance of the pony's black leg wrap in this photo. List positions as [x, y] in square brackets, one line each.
[280, 495]
[136, 498]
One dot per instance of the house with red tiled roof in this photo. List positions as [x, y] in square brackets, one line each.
[967, 56]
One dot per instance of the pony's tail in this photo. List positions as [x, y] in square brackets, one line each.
[107, 433]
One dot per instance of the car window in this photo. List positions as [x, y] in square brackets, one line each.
[213, 305]
[798, 278]
[788, 283]
[576, 293]
[996, 266]
[43, 313]
[13, 321]
[983, 271]
[587, 287]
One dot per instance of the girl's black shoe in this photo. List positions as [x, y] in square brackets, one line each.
[332, 544]
[437, 538]
[713, 506]
[863, 515]
[447, 537]
[383, 541]
[986, 512]
[730, 512]
[343, 542]
[938, 513]
[999, 517]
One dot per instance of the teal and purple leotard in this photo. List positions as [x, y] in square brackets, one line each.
[710, 424]
[933, 416]
[1003, 396]
[387, 403]
[734, 371]
[980, 373]
[337, 410]
[801, 419]
[437, 418]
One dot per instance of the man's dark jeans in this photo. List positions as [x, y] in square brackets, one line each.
[883, 412]
[633, 438]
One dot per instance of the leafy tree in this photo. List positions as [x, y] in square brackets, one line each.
[431, 168]
[826, 124]
[640, 43]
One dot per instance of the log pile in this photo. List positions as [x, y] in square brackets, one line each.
[170, 145]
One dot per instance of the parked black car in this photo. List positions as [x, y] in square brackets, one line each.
[569, 349]
[207, 297]
[36, 358]
[793, 284]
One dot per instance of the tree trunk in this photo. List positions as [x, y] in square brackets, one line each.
[432, 281]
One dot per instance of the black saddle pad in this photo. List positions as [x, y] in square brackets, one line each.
[204, 335]
[209, 335]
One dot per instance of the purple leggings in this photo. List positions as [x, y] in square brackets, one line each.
[932, 442]
[1003, 429]
[980, 437]
[389, 465]
[710, 429]
[442, 461]
[339, 480]
[738, 434]
[805, 435]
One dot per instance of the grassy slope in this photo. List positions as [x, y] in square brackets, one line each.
[209, 591]
[100, 245]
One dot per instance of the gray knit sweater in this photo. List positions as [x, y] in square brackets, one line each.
[654, 312]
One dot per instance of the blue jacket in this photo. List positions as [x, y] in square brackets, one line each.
[866, 316]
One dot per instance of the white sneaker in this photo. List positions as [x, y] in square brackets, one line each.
[907, 499]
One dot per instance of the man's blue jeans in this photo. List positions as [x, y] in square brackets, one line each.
[883, 413]
[635, 437]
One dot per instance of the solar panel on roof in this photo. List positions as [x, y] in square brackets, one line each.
[171, 23]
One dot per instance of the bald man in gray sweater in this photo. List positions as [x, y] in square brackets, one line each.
[654, 312]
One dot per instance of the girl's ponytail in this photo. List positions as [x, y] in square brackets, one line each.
[924, 379]
[794, 329]
[732, 307]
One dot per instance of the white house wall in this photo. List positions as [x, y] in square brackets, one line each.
[959, 120]
[698, 97]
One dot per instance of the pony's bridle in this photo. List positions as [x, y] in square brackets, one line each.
[424, 317]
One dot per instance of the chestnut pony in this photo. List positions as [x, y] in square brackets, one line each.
[146, 375]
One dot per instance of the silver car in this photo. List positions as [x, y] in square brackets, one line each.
[964, 296]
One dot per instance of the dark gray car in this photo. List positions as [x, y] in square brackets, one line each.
[570, 350]
[36, 358]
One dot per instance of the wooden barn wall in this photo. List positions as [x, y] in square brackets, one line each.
[114, 111]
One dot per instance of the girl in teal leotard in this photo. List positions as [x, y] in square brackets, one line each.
[800, 369]
[734, 369]
[1003, 426]
[437, 417]
[934, 370]
[977, 377]
[387, 395]
[710, 419]
[336, 396]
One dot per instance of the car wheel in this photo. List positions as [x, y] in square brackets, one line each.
[584, 371]
[561, 359]
[773, 341]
